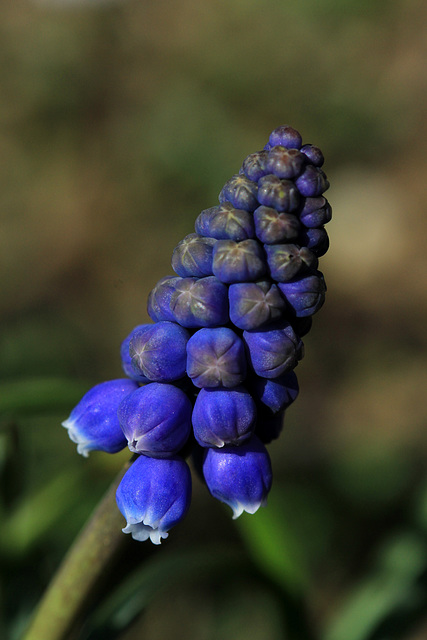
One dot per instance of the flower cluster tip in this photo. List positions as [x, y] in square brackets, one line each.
[213, 374]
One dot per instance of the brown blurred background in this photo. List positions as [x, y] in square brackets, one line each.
[121, 121]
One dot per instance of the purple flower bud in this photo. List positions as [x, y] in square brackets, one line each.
[158, 305]
[224, 222]
[239, 476]
[285, 136]
[254, 166]
[255, 304]
[288, 260]
[305, 295]
[317, 240]
[200, 302]
[193, 256]
[223, 416]
[158, 351]
[127, 365]
[238, 261]
[216, 358]
[312, 182]
[316, 212]
[281, 195]
[154, 495]
[314, 154]
[273, 227]
[273, 352]
[276, 394]
[93, 423]
[240, 192]
[156, 419]
[285, 163]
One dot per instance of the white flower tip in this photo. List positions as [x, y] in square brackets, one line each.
[240, 507]
[83, 446]
[141, 532]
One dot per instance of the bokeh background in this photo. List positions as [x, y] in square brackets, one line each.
[119, 123]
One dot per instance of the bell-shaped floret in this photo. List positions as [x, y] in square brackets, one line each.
[216, 358]
[312, 182]
[240, 192]
[154, 495]
[317, 240]
[127, 365]
[286, 261]
[273, 227]
[314, 154]
[254, 305]
[281, 195]
[239, 476]
[223, 416]
[200, 302]
[158, 351]
[285, 163]
[285, 136]
[305, 295]
[273, 352]
[238, 261]
[159, 299]
[156, 419]
[193, 256]
[93, 423]
[224, 222]
[254, 165]
[315, 212]
[275, 394]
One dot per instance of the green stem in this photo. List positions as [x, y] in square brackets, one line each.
[81, 568]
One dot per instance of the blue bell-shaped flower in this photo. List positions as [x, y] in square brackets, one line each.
[154, 495]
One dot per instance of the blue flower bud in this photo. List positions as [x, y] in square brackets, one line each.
[216, 358]
[238, 261]
[317, 240]
[154, 495]
[240, 192]
[93, 423]
[223, 416]
[239, 476]
[285, 163]
[273, 352]
[193, 256]
[200, 302]
[276, 394]
[254, 166]
[253, 305]
[316, 212]
[288, 260]
[127, 365]
[156, 419]
[312, 182]
[314, 154]
[305, 295]
[273, 227]
[285, 136]
[281, 195]
[224, 222]
[158, 305]
[158, 351]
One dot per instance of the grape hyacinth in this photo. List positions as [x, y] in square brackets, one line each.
[213, 374]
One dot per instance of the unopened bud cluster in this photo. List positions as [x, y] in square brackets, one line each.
[213, 374]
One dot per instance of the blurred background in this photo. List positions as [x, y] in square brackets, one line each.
[119, 123]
